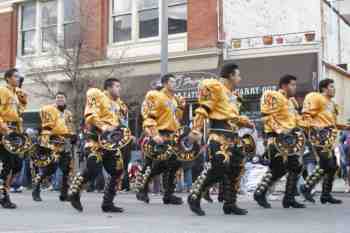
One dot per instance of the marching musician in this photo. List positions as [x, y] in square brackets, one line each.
[280, 117]
[102, 116]
[162, 112]
[217, 104]
[56, 121]
[320, 113]
[12, 104]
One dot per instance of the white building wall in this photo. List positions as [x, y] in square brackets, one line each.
[246, 18]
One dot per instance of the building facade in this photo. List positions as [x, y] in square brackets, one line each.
[266, 38]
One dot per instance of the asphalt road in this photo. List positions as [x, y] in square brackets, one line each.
[52, 216]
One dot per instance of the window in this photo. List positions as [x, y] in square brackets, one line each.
[177, 14]
[41, 23]
[122, 20]
[148, 18]
[48, 25]
[28, 28]
[140, 19]
[71, 26]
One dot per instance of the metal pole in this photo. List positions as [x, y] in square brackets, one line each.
[164, 36]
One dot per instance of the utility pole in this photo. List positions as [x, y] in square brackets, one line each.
[164, 36]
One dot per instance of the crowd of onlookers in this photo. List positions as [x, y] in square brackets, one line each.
[186, 175]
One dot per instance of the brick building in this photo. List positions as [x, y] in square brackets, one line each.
[267, 39]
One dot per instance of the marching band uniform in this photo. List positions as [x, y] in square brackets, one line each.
[321, 112]
[12, 104]
[161, 112]
[280, 116]
[218, 105]
[56, 122]
[100, 114]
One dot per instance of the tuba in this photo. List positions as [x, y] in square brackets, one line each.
[16, 143]
[186, 150]
[48, 149]
[324, 138]
[116, 139]
[290, 143]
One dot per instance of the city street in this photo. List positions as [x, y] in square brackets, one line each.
[51, 216]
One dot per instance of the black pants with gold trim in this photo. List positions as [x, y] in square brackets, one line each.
[113, 165]
[152, 168]
[280, 166]
[63, 163]
[224, 166]
[11, 165]
[326, 170]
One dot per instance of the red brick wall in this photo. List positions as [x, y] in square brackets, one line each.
[95, 28]
[202, 24]
[8, 39]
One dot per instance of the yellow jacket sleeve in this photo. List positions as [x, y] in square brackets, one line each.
[209, 93]
[92, 108]
[269, 106]
[3, 100]
[149, 113]
[48, 119]
[311, 107]
[69, 121]
[201, 115]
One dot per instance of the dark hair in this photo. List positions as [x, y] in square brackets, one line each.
[109, 82]
[227, 69]
[9, 73]
[61, 93]
[286, 79]
[324, 84]
[165, 78]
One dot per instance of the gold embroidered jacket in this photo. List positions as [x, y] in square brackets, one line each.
[320, 111]
[217, 102]
[12, 104]
[100, 110]
[161, 111]
[55, 122]
[280, 113]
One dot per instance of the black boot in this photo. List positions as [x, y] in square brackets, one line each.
[169, 182]
[310, 182]
[289, 197]
[230, 197]
[6, 203]
[108, 197]
[195, 205]
[64, 189]
[201, 184]
[327, 186]
[142, 182]
[76, 187]
[261, 190]
[36, 189]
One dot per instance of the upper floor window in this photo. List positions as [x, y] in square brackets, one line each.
[122, 18]
[140, 19]
[44, 23]
[28, 28]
